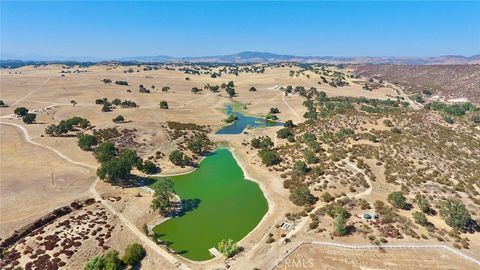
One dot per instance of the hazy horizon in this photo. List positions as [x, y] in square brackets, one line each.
[109, 30]
[99, 58]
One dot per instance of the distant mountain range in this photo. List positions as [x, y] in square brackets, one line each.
[259, 57]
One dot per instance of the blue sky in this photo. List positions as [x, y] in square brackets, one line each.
[109, 29]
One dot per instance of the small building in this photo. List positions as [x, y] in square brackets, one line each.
[369, 216]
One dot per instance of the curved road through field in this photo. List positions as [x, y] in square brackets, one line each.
[144, 238]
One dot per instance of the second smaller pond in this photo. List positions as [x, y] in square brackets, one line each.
[244, 122]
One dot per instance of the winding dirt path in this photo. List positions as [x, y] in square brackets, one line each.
[413, 104]
[299, 119]
[366, 192]
[147, 241]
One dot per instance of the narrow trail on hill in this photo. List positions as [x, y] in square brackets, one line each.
[412, 103]
[144, 238]
[31, 92]
[299, 119]
[181, 106]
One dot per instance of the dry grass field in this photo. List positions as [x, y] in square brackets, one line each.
[316, 257]
[357, 159]
[34, 180]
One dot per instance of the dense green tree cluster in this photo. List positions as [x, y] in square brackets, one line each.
[66, 126]
[118, 119]
[300, 167]
[301, 196]
[116, 101]
[422, 203]
[29, 118]
[289, 124]
[134, 253]
[163, 105]
[117, 165]
[453, 109]
[199, 145]
[214, 88]
[230, 91]
[397, 199]
[128, 104]
[178, 158]
[284, 133]
[420, 218]
[162, 198]
[196, 90]
[107, 105]
[311, 114]
[228, 247]
[20, 111]
[339, 224]
[267, 154]
[86, 141]
[121, 83]
[108, 261]
[100, 101]
[455, 213]
[142, 89]
[261, 142]
[274, 110]
[149, 167]
[269, 157]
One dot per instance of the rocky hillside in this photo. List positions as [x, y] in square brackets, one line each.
[451, 81]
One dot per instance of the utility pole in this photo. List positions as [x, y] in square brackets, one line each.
[53, 181]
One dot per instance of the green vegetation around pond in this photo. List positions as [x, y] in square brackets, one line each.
[239, 122]
[219, 203]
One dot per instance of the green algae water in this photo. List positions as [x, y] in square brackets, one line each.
[220, 203]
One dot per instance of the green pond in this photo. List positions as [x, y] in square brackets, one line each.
[219, 203]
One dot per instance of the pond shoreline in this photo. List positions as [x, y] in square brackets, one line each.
[246, 176]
